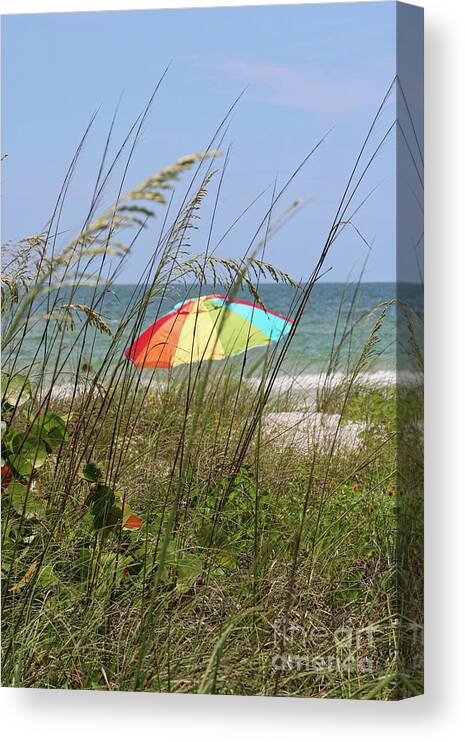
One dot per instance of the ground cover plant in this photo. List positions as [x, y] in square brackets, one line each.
[157, 533]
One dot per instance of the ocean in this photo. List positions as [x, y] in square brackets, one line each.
[335, 311]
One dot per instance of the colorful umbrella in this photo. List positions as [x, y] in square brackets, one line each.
[210, 327]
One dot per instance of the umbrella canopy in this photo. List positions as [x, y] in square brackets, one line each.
[209, 327]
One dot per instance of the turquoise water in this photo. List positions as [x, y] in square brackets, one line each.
[311, 347]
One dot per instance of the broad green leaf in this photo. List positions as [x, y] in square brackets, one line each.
[29, 453]
[226, 557]
[189, 569]
[47, 577]
[92, 472]
[16, 389]
[102, 506]
[51, 429]
[24, 501]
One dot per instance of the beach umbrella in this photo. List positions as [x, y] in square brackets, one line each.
[209, 327]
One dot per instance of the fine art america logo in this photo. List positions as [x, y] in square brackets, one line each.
[303, 646]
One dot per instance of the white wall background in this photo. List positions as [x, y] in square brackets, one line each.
[64, 715]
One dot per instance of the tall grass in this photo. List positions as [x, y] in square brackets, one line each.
[156, 533]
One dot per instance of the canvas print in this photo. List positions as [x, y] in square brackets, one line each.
[212, 355]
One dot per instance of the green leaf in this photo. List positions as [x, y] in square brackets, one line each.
[103, 507]
[226, 558]
[51, 429]
[29, 453]
[16, 389]
[92, 472]
[24, 501]
[47, 577]
[8, 434]
[189, 569]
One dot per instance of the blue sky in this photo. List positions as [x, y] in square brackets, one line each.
[307, 69]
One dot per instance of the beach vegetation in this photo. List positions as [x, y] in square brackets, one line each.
[158, 533]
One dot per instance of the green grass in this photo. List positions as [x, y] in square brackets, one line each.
[251, 566]
[101, 615]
